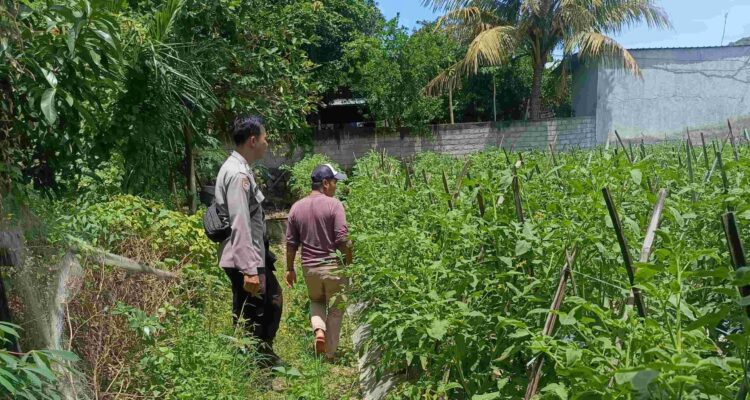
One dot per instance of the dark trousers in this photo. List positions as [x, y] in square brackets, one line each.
[259, 316]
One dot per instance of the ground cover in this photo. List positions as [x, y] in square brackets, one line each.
[458, 262]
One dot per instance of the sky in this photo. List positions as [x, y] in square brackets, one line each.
[695, 22]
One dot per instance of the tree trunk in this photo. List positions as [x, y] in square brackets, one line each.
[536, 89]
[192, 192]
[450, 103]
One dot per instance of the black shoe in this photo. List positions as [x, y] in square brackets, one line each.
[268, 358]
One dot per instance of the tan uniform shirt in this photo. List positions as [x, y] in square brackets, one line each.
[239, 197]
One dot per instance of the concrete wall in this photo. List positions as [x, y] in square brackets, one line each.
[459, 139]
[695, 88]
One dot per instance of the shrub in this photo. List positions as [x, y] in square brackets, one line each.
[299, 182]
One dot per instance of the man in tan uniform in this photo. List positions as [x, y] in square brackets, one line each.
[256, 294]
[317, 223]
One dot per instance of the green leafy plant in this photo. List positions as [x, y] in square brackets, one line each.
[299, 179]
[34, 374]
[457, 289]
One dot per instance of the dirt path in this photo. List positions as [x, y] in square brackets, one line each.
[307, 376]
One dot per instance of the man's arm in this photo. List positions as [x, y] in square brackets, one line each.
[346, 249]
[341, 232]
[245, 257]
[292, 244]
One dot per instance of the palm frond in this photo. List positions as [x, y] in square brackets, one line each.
[446, 5]
[596, 45]
[448, 79]
[490, 47]
[164, 19]
[615, 15]
[574, 16]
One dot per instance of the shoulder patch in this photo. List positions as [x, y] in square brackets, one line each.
[245, 183]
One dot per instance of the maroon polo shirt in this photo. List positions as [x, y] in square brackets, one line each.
[317, 223]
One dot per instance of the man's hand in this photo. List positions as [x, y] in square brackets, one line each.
[291, 277]
[251, 284]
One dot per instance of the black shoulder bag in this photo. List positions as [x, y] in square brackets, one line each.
[217, 228]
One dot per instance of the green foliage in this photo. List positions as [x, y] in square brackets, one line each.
[512, 86]
[188, 347]
[390, 70]
[459, 299]
[61, 70]
[31, 375]
[299, 180]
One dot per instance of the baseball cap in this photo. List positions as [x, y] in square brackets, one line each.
[326, 171]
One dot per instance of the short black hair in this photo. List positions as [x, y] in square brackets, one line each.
[246, 126]
[316, 185]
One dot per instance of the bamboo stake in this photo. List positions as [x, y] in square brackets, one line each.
[517, 197]
[632, 155]
[460, 179]
[480, 202]
[447, 191]
[653, 225]
[408, 178]
[690, 169]
[549, 325]
[737, 256]
[427, 183]
[734, 145]
[724, 180]
[554, 161]
[643, 150]
[705, 153]
[716, 160]
[507, 159]
[624, 150]
[736, 251]
[627, 258]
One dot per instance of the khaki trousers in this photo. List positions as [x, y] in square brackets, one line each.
[322, 286]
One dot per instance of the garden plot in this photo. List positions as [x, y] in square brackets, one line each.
[460, 263]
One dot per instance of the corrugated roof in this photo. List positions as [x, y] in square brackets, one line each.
[686, 48]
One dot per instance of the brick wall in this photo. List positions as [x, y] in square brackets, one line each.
[459, 139]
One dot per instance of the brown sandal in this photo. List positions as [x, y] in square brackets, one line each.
[320, 344]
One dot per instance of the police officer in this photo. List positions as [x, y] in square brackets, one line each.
[244, 255]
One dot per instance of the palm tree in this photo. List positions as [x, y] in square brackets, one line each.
[499, 30]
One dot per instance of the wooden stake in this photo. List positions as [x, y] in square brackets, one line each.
[554, 160]
[624, 150]
[549, 324]
[705, 153]
[517, 197]
[627, 258]
[734, 145]
[507, 159]
[724, 179]
[736, 251]
[480, 201]
[643, 150]
[460, 179]
[737, 256]
[447, 191]
[408, 184]
[653, 225]
[690, 169]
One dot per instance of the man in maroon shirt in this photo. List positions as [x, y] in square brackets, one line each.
[317, 223]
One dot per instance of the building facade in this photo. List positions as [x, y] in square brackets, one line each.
[679, 89]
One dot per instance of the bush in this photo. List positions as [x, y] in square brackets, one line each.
[32, 375]
[299, 182]
[148, 337]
